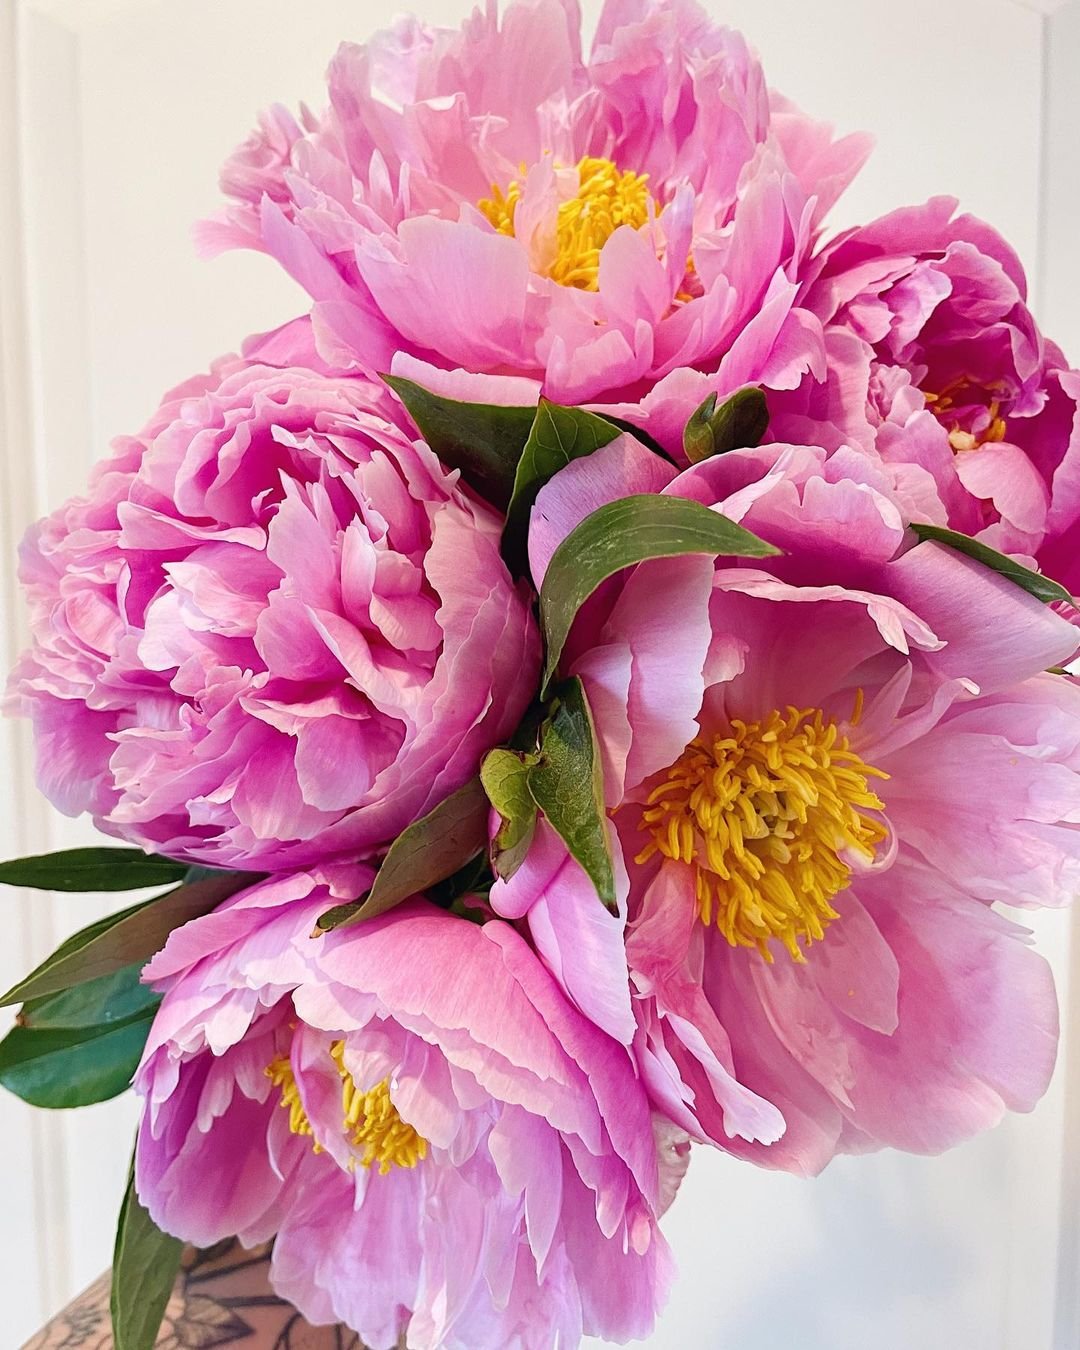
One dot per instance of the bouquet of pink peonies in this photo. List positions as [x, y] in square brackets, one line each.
[587, 683]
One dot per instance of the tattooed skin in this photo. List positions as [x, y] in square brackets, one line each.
[222, 1297]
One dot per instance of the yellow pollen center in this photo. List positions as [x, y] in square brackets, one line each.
[370, 1119]
[763, 813]
[960, 438]
[607, 197]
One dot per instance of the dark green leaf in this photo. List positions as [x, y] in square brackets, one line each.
[505, 776]
[557, 436]
[639, 434]
[430, 850]
[483, 440]
[145, 1266]
[621, 534]
[73, 1066]
[474, 879]
[110, 999]
[567, 785]
[739, 423]
[132, 935]
[92, 869]
[1042, 588]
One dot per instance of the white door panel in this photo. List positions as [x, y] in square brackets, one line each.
[121, 111]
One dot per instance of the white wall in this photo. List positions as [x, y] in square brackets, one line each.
[114, 116]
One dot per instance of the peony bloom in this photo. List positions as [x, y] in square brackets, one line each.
[442, 1145]
[821, 771]
[937, 367]
[486, 199]
[275, 630]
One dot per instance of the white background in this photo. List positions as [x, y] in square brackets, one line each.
[114, 115]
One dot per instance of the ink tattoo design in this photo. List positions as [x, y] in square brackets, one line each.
[222, 1297]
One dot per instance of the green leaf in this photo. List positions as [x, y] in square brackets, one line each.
[430, 850]
[567, 785]
[145, 1265]
[1042, 588]
[505, 776]
[110, 999]
[483, 440]
[557, 436]
[639, 433]
[739, 423]
[132, 935]
[474, 879]
[92, 869]
[62, 1069]
[80, 1046]
[621, 534]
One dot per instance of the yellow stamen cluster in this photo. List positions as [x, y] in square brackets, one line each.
[370, 1120]
[763, 813]
[942, 405]
[606, 198]
[280, 1073]
[373, 1124]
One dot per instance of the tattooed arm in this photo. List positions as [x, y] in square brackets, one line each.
[221, 1298]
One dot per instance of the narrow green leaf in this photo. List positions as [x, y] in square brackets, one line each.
[92, 869]
[483, 440]
[557, 436]
[108, 1000]
[1042, 588]
[567, 785]
[430, 850]
[66, 1067]
[505, 776]
[621, 534]
[132, 935]
[739, 423]
[145, 1265]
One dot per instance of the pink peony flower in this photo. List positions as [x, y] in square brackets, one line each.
[937, 367]
[442, 1145]
[276, 630]
[821, 771]
[487, 199]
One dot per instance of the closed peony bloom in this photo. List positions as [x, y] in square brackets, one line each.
[821, 771]
[445, 1149]
[937, 367]
[610, 228]
[275, 630]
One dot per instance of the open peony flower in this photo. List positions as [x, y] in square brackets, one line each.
[486, 199]
[821, 770]
[443, 1146]
[276, 629]
[937, 366]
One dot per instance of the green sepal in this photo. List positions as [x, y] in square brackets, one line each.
[505, 776]
[739, 423]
